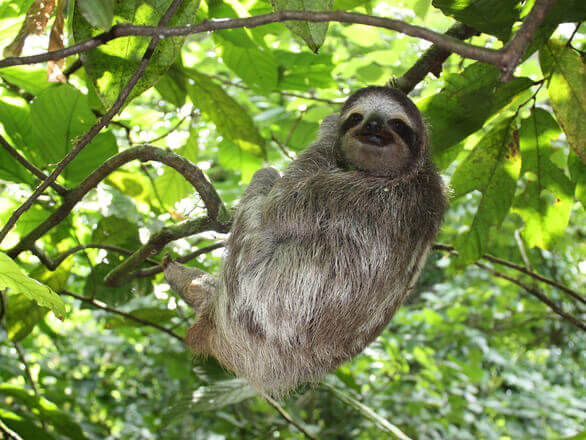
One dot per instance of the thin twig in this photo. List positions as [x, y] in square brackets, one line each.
[61, 190]
[143, 273]
[8, 433]
[29, 377]
[288, 417]
[53, 264]
[101, 123]
[106, 308]
[567, 290]
[282, 93]
[537, 294]
[192, 173]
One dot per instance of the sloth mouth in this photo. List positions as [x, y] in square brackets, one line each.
[378, 139]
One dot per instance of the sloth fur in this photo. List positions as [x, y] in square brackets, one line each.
[319, 260]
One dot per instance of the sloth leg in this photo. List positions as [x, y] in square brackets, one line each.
[194, 285]
[261, 183]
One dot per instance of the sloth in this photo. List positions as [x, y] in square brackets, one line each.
[319, 259]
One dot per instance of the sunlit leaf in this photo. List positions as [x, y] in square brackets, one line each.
[567, 91]
[492, 168]
[466, 102]
[314, 34]
[546, 215]
[110, 66]
[13, 278]
[98, 13]
[58, 116]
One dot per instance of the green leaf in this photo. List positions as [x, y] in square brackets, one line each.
[29, 78]
[117, 231]
[111, 65]
[567, 91]
[12, 277]
[233, 158]
[466, 102]
[256, 67]
[314, 34]
[232, 120]
[12, 171]
[213, 397]
[58, 116]
[546, 215]
[15, 118]
[495, 17]
[173, 85]
[152, 314]
[492, 168]
[22, 316]
[95, 288]
[172, 186]
[98, 13]
[24, 426]
[578, 172]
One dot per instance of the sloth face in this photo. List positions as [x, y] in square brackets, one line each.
[381, 132]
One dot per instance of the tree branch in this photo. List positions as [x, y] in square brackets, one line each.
[193, 174]
[288, 417]
[104, 307]
[121, 274]
[512, 53]
[29, 166]
[53, 264]
[443, 41]
[537, 294]
[148, 272]
[567, 290]
[101, 123]
[432, 60]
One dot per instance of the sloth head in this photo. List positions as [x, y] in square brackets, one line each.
[381, 133]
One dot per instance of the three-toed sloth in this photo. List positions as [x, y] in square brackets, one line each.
[319, 259]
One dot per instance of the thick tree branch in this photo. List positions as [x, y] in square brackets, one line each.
[193, 174]
[106, 308]
[432, 60]
[29, 166]
[443, 41]
[101, 123]
[567, 290]
[512, 53]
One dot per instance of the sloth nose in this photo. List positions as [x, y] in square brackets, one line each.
[374, 124]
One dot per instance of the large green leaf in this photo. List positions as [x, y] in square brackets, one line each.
[314, 34]
[22, 316]
[495, 17]
[231, 119]
[13, 278]
[492, 168]
[58, 116]
[152, 314]
[466, 102]
[546, 203]
[256, 67]
[111, 65]
[578, 172]
[567, 91]
[98, 13]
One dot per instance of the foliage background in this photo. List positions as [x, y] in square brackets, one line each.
[472, 355]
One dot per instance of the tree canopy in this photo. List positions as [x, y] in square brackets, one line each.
[129, 129]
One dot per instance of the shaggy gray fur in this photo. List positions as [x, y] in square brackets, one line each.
[320, 259]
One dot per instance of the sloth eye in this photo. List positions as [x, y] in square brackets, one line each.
[353, 120]
[403, 130]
